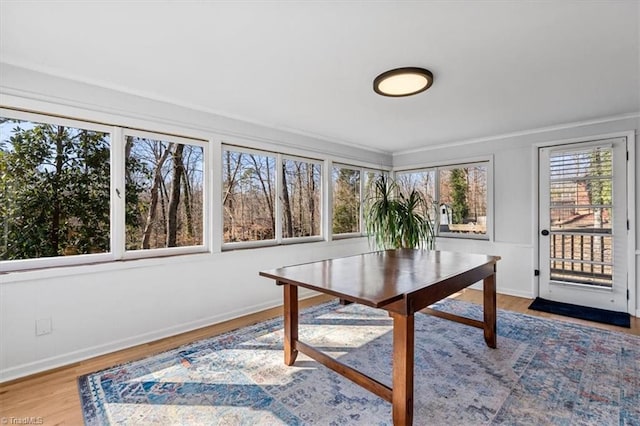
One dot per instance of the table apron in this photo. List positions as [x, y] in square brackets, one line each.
[420, 299]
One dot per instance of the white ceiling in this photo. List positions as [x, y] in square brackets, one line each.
[308, 66]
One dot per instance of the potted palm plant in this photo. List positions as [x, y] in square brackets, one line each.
[394, 219]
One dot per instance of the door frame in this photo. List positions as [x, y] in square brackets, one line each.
[631, 209]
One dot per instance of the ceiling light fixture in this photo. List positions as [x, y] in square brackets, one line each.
[405, 81]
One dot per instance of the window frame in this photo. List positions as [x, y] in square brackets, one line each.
[280, 188]
[488, 162]
[364, 171]
[361, 231]
[247, 244]
[279, 239]
[79, 259]
[162, 251]
[117, 205]
[213, 147]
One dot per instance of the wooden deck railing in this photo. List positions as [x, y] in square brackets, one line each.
[581, 257]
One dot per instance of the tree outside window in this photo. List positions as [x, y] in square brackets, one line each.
[423, 181]
[346, 200]
[164, 194]
[458, 194]
[301, 198]
[55, 188]
[463, 199]
[248, 196]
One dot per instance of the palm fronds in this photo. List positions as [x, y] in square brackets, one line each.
[396, 220]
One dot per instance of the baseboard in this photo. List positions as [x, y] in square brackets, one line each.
[517, 293]
[507, 291]
[62, 360]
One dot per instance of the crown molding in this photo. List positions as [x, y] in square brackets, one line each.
[172, 101]
[521, 133]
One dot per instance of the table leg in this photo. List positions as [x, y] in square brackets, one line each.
[490, 310]
[402, 388]
[290, 323]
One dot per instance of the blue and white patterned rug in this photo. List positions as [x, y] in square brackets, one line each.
[543, 373]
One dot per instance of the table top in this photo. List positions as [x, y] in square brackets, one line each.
[379, 278]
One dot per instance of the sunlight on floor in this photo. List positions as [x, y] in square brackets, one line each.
[191, 414]
[215, 367]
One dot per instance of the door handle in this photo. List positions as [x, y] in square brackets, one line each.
[544, 232]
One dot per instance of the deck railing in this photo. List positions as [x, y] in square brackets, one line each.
[582, 257]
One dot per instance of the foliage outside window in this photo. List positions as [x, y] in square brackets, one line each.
[346, 200]
[248, 196]
[254, 215]
[457, 193]
[164, 194]
[370, 177]
[301, 198]
[55, 187]
[463, 199]
[61, 203]
[581, 215]
[422, 181]
[62, 197]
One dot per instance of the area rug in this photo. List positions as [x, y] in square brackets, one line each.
[543, 373]
[621, 319]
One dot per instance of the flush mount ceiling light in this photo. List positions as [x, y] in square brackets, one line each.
[405, 81]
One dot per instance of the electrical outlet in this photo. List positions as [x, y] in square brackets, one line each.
[43, 326]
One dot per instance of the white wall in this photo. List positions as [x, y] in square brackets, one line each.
[97, 309]
[515, 224]
[100, 308]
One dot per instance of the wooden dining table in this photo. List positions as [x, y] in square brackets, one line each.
[402, 282]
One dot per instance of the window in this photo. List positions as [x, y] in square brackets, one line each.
[301, 198]
[346, 200]
[370, 177]
[422, 181]
[73, 193]
[164, 193]
[458, 196]
[248, 196]
[55, 186]
[262, 207]
[253, 214]
[463, 199]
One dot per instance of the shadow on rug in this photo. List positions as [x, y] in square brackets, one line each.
[543, 372]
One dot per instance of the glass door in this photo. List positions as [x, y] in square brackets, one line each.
[583, 224]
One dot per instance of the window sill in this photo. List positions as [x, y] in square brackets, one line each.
[455, 236]
[7, 277]
[349, 235]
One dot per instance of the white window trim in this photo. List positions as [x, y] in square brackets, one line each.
[120, 203]
[80, 259]
[117, 198]
[234, 245]
[213, 146]
[323, 231]
[326, 199]
[280, 157]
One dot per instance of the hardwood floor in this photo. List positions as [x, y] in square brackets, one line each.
[53, 395]
[521, 304]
